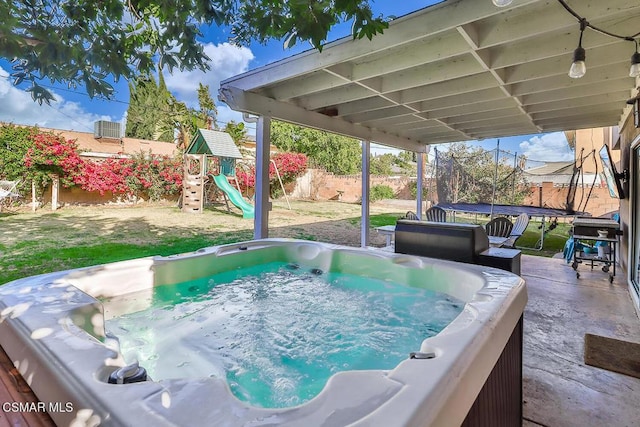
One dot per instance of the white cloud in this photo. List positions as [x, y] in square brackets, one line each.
[227, 60]
[550, 147]
[17, 107]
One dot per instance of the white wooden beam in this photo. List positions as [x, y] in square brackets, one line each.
[588, 83]
[470, 126]
[420, 181]
[576, 116]
[554, 44]
[502, 114]
[478, 107]
[317, 81]
[389, 122]
[440, 71]
[422, 124]
[336, 96]
[574, 92]
[585, 123]
[596, 57]
[366, 173]
[435, 19]
[379, 114]
[512, 123]
[462, 99]
[262, 203]
[372, 103]
[479, 81]
[252, 103]
[618, 96]
[411, 55]
[434, 136]
[517, 24]
[578, 109]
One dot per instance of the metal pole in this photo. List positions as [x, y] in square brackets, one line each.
[495, 179]
[420, 171]
[513, 185]
[364, 224]
[434, 177]
[281, 184]
[542, 233]
[262, 203]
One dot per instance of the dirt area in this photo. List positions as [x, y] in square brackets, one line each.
[333, 222]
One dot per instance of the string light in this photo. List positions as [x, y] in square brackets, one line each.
[634, 71]
[578, 66]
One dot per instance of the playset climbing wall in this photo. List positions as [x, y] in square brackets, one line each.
[193, 183]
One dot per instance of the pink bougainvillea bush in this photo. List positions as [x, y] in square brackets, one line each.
[290, 166]
[51, 155]
[142, 175]
[108, 175]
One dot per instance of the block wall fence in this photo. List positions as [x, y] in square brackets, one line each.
[317, 184]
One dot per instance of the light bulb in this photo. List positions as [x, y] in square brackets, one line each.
[578, 67]
[577, 70]
[502, 3]
[634, 71]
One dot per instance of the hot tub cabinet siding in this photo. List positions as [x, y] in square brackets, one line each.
[499, 403]
[52, 328]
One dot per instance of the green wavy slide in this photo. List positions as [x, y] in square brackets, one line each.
[234, 195]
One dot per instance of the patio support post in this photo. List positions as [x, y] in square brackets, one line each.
[420, 159]
[262, 204]
[495, 179]
[364, 225]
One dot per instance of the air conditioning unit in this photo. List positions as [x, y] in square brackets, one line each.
[105, 129]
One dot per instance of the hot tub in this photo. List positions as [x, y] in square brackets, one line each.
[53, 328]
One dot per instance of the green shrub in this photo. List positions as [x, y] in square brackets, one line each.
[379, 192]
[413, 187]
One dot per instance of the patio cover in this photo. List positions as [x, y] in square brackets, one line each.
[459, 70]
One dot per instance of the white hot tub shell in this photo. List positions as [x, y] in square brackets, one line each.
[52, 328]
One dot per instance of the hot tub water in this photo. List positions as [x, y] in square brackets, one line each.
[276, 331]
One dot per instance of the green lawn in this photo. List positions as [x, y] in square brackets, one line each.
[43, 261]
[74, 237]
[554, 240]
[32, 244]
[378, 220]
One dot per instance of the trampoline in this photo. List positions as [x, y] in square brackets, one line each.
[512, 210]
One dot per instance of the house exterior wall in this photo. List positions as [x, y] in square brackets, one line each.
[588, 143]
[628, 133]
[550, 195]
[78, 196]
[588, 140]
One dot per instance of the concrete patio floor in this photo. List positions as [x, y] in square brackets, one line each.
[559, 388]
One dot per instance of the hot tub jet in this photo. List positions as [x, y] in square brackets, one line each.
[132, 373]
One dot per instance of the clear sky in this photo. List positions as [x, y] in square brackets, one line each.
[74, 110]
